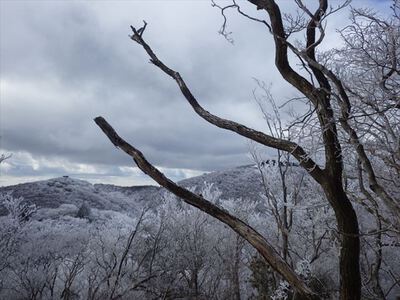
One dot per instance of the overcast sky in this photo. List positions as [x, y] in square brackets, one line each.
[65, 62]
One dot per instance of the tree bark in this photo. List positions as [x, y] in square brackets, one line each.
[236, 268]
[347, 222]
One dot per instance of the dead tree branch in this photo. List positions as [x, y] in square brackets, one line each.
[296, 150]
[241, 228]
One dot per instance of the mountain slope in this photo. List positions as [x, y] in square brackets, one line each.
[240, 182]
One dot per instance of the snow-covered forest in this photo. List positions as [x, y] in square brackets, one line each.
[66, 238]
[316, 215]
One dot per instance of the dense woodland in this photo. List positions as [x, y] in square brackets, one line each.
[325, 222]
[161, 248]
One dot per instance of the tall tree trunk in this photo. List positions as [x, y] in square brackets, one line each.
[350, 279]
[236, 269]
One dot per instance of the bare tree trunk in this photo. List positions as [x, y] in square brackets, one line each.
[285, 225]
[236, 269]
[350, 279]
[378, 238]
[378, 260]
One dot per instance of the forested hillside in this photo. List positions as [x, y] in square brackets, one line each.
[66, 238]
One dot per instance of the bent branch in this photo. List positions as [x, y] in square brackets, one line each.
[318, 97]
[281, 144]
[241, 228]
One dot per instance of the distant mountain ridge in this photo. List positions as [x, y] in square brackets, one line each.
[239, 182]
[55, 192]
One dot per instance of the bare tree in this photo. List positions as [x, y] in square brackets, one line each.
[331, 104]
[119, 270]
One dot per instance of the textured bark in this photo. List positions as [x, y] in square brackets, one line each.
[243, 229]
[236, 269]
[346, 218]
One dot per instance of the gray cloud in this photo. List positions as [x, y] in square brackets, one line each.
[63, 63]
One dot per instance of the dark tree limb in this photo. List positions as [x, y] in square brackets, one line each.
[3, 157]
[319, 97]
[241, 228]
[296, 150]
[281, 50]
[312, 43]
